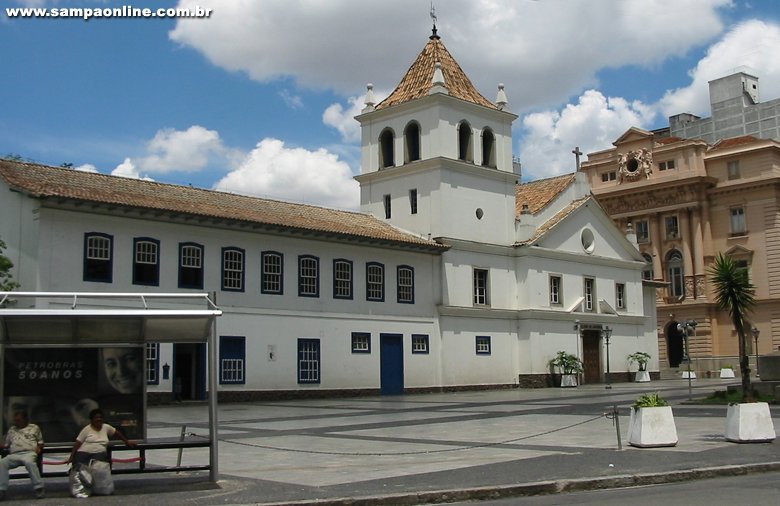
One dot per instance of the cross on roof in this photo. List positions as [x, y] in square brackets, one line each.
[577, 154]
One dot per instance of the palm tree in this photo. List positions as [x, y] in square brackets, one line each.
[735, 294]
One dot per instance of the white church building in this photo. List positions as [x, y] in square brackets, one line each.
[453, 275]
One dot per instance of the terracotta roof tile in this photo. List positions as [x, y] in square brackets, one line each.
[417, 81]
[559, 216]
[734, 141]
[41, 181]
[538, 194]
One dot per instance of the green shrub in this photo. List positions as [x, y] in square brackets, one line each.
[651, 400]
[641, 358]
[567, 363]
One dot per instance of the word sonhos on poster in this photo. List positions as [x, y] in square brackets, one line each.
[50, 370]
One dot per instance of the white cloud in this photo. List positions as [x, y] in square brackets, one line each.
[128, 169]
[750, 46]
[296, 174]
[342, 44]
[173, 150]
[592, 124]
[181, 150]
[293, 101]
[87, 167]
[343, 118]
[595, 121]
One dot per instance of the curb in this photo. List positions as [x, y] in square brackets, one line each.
[538, 488]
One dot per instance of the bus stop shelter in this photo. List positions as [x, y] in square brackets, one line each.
[70, 324]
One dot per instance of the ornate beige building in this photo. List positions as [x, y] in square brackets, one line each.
[687, 201]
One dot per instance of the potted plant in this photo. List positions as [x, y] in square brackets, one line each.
[569, 365]
[748, 421]
[727, 371]
[641, 358]
[652, 422]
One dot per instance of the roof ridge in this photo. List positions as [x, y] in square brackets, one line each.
[417, 81]
[136, 180]
[44, 182]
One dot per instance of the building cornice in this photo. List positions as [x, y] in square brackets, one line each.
[429, 101]
[182, 218]
[437, 163]
[540, 314]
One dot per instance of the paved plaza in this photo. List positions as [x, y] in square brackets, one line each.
[387, 449]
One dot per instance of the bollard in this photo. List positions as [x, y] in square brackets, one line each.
[617, 426]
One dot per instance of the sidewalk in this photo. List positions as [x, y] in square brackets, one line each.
[434, 447]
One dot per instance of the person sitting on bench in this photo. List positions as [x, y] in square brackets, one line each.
[25, 444]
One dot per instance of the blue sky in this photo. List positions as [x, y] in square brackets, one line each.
[259, 97]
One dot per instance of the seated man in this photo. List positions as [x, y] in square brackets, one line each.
[25, 443]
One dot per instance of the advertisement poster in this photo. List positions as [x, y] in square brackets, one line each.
[58, 387]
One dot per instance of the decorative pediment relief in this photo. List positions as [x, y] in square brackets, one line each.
[648, 200]
[635, 164]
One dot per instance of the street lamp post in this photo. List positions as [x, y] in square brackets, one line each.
[607, 333]
[755, 333]
[684, 328]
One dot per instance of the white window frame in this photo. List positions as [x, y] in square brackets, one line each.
[481, 286]
[589, 293]
[420, 343]
[556, 292]
[737, 221]
[620, 295]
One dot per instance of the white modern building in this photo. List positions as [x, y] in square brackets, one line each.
[736, 111]
[452, 276]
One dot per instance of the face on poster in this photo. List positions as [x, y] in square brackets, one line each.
[58, 388]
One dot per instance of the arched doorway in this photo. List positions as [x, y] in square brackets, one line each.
[675, 346]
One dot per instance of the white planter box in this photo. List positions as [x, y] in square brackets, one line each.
[749, 422]
[727, 373]
[642, 377]
[652, 427]
[568, 380]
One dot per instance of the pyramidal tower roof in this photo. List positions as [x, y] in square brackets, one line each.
[418, 79]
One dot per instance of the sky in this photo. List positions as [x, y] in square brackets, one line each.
[259, 97]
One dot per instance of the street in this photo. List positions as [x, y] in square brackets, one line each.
[755, 490]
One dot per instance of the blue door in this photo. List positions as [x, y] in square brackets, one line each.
[391, 364]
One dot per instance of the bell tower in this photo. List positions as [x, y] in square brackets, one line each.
[436, 155]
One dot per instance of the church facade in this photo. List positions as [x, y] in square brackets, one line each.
[453, 275]
[687, 201]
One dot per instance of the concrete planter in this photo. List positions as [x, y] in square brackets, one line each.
[642, 377]
[727, 373]
[568, 380]
[652, 427]
[749, 422]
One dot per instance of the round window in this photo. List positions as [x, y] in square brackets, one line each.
[587, 240]
[480, 213]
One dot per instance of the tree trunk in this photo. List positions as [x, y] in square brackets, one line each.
[744, 364]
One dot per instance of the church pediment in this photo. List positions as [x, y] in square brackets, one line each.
[633, 134]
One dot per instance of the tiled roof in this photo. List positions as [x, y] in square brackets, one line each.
[538, 194]
[417, 81]
[734, 141]
[559, 216]
[41, 181]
